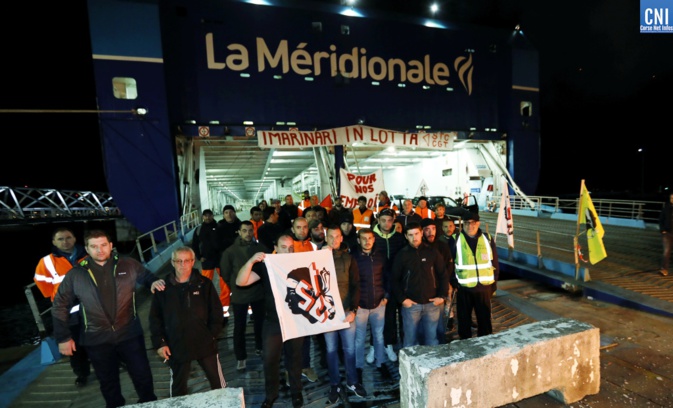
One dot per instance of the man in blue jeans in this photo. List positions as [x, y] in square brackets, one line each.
[419, 283]
[348, 280]
[371, 265]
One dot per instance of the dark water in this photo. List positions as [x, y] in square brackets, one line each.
[22, 248]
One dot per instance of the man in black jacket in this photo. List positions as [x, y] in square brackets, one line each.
[430, 238]
[390, 242]
[206, 246]
[373, 299]
[288, 212]
[104, 283]
[419, 285]
[185, 321]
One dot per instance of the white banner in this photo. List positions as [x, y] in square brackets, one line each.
[307, 297]
[353, 186]
[347, 136]
[505, 224]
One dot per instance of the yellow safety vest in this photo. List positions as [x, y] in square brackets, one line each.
[471, 270]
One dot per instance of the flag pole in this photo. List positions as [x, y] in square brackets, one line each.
[577, 233]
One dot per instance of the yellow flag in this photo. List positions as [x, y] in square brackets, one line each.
[587, 215]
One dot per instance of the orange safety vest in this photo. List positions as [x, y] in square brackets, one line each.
[50, 272]
[255, 226]
[362, 219]
[424, 212]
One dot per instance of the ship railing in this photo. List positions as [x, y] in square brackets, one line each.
[153, 242]
[647, 211]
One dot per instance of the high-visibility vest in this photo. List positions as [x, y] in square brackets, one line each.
[471, 270]
[424, 212]
[362, 219]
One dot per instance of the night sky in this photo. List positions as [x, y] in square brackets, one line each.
[605, 92]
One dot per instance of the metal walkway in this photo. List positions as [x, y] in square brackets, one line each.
[628, 277]
[35, 205]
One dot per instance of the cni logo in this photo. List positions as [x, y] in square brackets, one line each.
[654, 16]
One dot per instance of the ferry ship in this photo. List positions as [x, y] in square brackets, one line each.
[207, 103]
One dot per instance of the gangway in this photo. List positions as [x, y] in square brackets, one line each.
[20, 206]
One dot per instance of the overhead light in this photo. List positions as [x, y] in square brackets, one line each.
[140, 111]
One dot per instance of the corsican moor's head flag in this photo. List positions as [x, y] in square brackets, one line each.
[307, 297]
[586, 214]
[505, 224]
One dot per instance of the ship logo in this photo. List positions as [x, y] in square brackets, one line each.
[464, 67]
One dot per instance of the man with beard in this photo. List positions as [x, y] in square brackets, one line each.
[390, 242]
[243, 298]
[430, 237]
[419, 285]
[317, 231]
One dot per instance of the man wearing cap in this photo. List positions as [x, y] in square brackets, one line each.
[476, 277]
[422, 208]
[349, 234]
[430, 238]
[227, 228]
[419, 284]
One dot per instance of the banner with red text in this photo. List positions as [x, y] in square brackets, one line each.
[354, 186]
[347, 136]
[306, 293]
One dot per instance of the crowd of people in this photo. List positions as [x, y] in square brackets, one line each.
[398, 271]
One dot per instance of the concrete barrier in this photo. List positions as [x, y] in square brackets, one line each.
[222, 398]
[560, 356]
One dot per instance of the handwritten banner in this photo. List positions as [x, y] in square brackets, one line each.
[355, 134]
[354, 186]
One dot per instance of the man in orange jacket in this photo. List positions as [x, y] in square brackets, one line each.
[362, 216]
[49, 273]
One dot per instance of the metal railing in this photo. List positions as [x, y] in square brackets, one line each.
[647, 211]
[151, 243]
[34, 205]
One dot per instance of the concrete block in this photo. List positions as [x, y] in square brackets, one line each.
[221, 398]
[560, 356]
